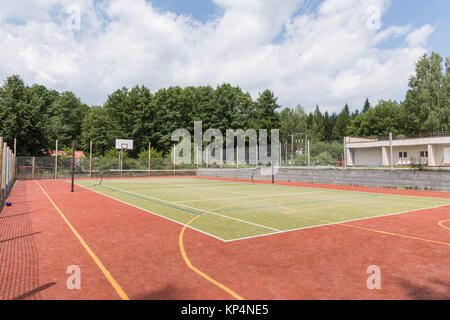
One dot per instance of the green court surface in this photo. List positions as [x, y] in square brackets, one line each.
[231, 210]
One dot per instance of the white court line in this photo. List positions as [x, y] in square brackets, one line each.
[252, 196]
[193, 208]
[338, 222]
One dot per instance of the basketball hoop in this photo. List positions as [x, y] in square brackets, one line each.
[124, 144]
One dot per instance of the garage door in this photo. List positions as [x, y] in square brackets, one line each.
[446, 155]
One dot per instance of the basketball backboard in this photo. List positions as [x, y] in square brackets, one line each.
[124, 144]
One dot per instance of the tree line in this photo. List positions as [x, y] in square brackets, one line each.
[36, 116]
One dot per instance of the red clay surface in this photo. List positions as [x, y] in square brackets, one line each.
[141, 252]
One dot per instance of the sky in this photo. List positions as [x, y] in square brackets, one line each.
[308, 52]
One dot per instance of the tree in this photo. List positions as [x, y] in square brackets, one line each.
[377, 122]
[426, 105]
[266, 115]
[97, 127]
[23, 115]
[342, 121]
[366, 106]
[66, 117]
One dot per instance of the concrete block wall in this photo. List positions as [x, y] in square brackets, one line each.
[431, 180]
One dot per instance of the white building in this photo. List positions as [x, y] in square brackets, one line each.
[431, 151]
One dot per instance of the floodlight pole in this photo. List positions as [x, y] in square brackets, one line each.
[73, 164]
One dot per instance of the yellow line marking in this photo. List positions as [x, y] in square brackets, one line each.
[397, 234]
[441, 223]
[344, 224]
[192, 267]
[202, 274]
[105, 271]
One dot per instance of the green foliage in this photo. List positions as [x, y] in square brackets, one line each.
[155, 154]
[36, 116]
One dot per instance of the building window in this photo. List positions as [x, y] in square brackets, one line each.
[424, 154]
[403, 155]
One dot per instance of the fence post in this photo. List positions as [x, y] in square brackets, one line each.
[1, 168]
[149, 158]
[197, 158]
[391, 151]
[90, 159]
[309, 157]
[345, 153]
[174, 160]
[73, 164]
[15, 155]
[56, 160]
[32, 168]
[7, 170]
[257, 155]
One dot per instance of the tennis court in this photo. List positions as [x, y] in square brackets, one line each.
[232, 210]
[197, 237]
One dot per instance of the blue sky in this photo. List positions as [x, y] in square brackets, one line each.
[420, 12]
[403, 12]
[308, 52]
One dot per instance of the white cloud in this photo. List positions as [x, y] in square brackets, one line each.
[419, 37]
[327, 57]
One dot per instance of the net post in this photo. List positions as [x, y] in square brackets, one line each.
[73, 165]
[90, 159]
[56, 160]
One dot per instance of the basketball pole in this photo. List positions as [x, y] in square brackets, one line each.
[73, 164]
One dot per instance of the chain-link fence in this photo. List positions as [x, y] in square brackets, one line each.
[7, 170]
